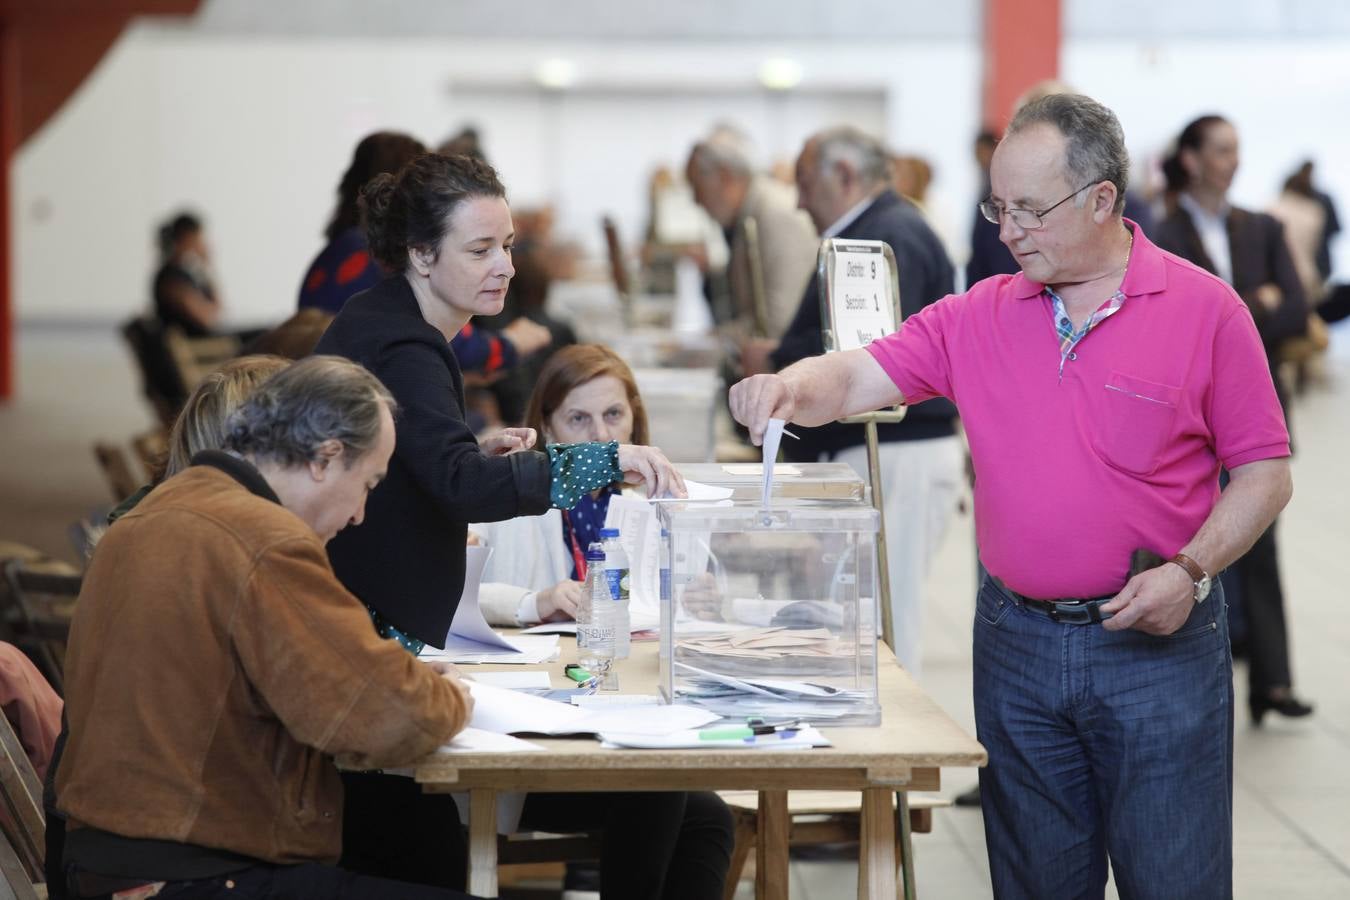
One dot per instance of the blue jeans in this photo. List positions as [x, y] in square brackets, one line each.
[1104, 743]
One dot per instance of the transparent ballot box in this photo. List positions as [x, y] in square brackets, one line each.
[772, 612]
[815, 481]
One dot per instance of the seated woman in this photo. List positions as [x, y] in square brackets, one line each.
[184, 287]
[584, 393]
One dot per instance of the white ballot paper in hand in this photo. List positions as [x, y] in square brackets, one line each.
[773, 436]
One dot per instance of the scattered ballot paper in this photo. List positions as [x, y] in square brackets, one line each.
[471, 640]
[697, 492]
[803, 738]
[512, 712]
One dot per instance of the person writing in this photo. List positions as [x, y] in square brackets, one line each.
[1102, 389]
[443, 226]
[211, 688]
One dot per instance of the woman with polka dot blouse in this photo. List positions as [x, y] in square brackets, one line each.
[443, 226]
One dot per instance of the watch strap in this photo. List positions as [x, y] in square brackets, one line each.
[1191, 566]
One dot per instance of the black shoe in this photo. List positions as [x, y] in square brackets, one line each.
[969, 798]
[1287, 705]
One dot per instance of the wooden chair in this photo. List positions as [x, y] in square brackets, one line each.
[618, 269]
[817, 817]
[195, 358]
[152, 449]
[112, 459]
[21, 818]
[15, 884]
[44, 602]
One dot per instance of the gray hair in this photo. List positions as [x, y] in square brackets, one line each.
[318, 399]
[856, 147]
[1094, 143]
[726, 148]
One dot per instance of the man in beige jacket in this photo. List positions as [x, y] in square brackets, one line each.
[217, 668]
[725, 184]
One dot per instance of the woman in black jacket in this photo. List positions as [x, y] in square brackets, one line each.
[443, 224]
[1248, 250]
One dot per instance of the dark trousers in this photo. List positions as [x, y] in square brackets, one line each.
[309, 881]
[664, 845]
[1258, 576]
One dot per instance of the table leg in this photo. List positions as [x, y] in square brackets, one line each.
[483, 842]
[876, 846]
[906, 844]
[771, 848]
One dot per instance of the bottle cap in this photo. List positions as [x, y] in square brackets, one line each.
[594, 553]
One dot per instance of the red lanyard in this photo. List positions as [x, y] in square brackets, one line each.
[578, 558]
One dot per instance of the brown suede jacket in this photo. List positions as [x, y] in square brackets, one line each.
[215, 669]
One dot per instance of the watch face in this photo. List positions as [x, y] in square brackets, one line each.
[1202, 588]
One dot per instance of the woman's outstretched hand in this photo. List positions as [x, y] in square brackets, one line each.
[648, 466]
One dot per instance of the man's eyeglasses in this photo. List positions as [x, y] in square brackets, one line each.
[1026, 219]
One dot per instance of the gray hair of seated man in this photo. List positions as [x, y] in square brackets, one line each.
[318, 399]
[863, 153]
[726, 148]
[1094, 142]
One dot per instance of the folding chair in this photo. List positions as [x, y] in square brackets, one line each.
[112, 459]
[44, 602]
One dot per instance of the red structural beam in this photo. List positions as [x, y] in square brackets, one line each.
[47, 49]
[1021, 48]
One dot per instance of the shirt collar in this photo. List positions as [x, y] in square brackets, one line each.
[1202, 215]
[1145, 273]
[240, 470]
[848, 218]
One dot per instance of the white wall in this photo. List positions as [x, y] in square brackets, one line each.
[1287, 98]
[254, 132]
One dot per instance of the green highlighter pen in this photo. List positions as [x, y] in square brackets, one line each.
[577, 673]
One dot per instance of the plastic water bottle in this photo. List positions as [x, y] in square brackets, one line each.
[595, 565]
[617, 574]
[595, 634]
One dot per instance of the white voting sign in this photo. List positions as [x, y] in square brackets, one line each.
[860, 294]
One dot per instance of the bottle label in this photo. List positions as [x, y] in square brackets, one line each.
[618, 584]
[597, 638]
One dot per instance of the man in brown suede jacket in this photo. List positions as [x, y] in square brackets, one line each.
[217, 667]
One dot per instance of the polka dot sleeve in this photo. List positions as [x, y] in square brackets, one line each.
[578, 469]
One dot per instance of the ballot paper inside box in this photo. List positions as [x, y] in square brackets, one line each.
[772, 612]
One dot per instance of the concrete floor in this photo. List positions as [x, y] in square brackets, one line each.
[1292, 784]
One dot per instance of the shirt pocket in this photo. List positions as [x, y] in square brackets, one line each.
[1136, 420]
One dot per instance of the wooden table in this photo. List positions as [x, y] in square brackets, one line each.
[903, 754]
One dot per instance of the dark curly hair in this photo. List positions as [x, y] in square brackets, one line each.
[413, 208]
[378, 153]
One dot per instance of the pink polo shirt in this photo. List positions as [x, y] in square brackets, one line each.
[1075, 473]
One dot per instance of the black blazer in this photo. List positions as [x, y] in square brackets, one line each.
[926, 275]
[1260, 255]
[406, 560]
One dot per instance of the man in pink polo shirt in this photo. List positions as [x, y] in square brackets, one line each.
[1101, 388]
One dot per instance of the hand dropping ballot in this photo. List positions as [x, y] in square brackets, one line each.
[773, 436]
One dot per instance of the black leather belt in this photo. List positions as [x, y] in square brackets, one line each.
[1066, 612]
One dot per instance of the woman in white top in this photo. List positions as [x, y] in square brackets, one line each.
[585, 393]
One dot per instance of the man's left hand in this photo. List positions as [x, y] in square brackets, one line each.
[1157, 601]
